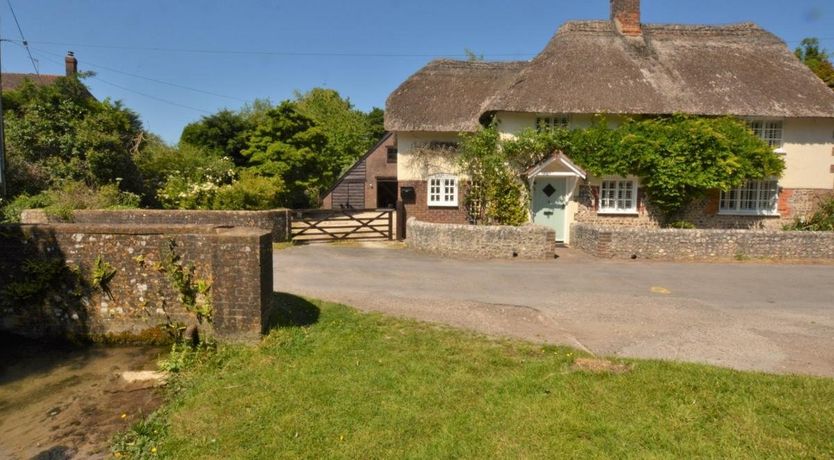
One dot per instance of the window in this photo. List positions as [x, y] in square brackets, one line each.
[618, 196]
[443, 190]
[559, 121]
[755, 197]
[769, 131]
[391, 155]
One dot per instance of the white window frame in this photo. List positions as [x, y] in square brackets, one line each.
[544, 122]
[754, 198]
[442, 191]
[615, 193]
[769, 130]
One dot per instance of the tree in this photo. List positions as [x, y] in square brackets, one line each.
[288, 145]
[58, 132]
[817, 59]
[348, 131]
[376, 120]
[223, 133]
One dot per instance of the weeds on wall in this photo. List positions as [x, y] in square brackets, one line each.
[101, 275]
[194, 294]
[821, 221]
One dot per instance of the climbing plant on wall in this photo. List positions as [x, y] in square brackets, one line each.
[677, 159]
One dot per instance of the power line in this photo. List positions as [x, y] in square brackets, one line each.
[23, 39]
[274, 53]
[142, 77]
[149, 96]
[177, 104]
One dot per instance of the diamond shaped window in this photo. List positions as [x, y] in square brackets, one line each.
[549, 190]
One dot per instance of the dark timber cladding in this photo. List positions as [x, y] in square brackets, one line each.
[358, 188]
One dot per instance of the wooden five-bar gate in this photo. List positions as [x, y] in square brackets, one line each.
[322, 225]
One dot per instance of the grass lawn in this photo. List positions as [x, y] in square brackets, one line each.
[354, 385]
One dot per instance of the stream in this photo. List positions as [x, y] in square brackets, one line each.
[59, 402]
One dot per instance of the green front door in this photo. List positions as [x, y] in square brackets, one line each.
[549, 202]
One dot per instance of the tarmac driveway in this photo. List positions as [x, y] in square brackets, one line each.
[773, 318]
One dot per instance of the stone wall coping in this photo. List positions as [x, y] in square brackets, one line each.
[600, 228]
[143, 211]
[480, 228]
[137, 229]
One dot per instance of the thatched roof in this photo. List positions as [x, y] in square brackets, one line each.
[447, 95]
[588, 67]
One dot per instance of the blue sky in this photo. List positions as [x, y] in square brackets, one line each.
[235, 51]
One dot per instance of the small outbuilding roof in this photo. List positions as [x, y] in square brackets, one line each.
[590, 67]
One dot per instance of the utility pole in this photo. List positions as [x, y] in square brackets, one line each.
[3, 188]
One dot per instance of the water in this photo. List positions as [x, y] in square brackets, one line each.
[61, 402]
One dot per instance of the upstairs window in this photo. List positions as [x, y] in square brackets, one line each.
[391, 155]
[755, 197]
[558, 121]
[769, 131]
[443, 190]
[618, 196]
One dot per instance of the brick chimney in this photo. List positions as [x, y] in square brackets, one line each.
[71, 64]
[626, 16]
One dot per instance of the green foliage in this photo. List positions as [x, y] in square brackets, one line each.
[57, 132]
[222, 134]
[682, 224]
[72, 195]
[288, 145]
[495, 195]
[817, 59]
[376, 122]
[677, 158]
[821, 221]
[348, 131]
[11, 210]
[38, 276]
[101, 275]
[194, 294]
[472, 56]
[251, 192]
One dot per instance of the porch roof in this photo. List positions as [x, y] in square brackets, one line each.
[560, 158]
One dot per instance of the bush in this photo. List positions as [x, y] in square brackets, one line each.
[250, 193]
[72, 196]
[820, 221]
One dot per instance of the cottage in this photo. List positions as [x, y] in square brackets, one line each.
[622, 68]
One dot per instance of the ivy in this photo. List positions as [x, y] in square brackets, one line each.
[677, 158]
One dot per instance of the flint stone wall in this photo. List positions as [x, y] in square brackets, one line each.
[236, 262]
[276, 221]
[701, 244]
[481, 241]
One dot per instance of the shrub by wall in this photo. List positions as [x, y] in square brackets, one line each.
[276, 221]
[122, 282]
[701, 244]
[481, 241]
